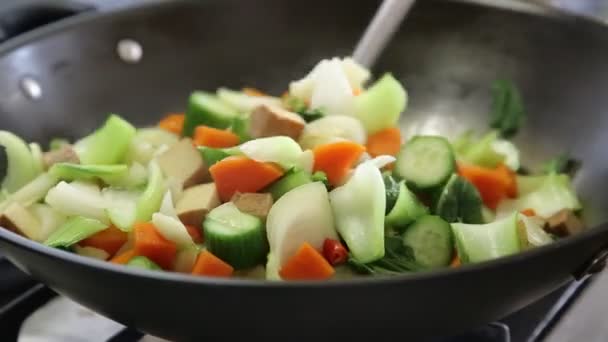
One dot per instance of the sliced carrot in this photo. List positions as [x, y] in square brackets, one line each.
[124, 257]
[213, 137]
[110, 240]
[307, 264]
[529, 212]
[242, 174]
[336, 159]
[455, 262]
[385, 142]
[173, 123]
[209, 265]
[253, 92]
[493, 184]
[149, 243]
[357, 91]
[195, 234]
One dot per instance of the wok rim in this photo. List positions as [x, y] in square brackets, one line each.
[364, 280]
[171, 276]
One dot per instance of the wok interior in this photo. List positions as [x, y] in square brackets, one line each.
[447, 54]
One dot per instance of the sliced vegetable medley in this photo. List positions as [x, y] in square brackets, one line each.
[314, 183]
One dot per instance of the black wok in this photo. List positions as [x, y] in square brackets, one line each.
[447, 54]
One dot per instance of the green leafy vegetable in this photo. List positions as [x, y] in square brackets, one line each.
[310, 115]
[562, 164]
[459, 201]
[392, 190]
[397, 259]
[508, 113]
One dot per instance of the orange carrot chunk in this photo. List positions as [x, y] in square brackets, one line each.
[209, 265]
[529, 212]
[110, 240]
[213, 137]
[173, 123]
[149, 243]
[195, 234]
[307, 264]
[385, 142]
[493, 184]
[336, 159]
[242, 174]
[124, 257]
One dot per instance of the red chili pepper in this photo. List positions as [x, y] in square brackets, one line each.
[334, 252]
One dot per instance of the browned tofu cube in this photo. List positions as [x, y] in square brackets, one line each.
[196, 202]
[184, 163]
[253, 204]
[269, 121]
[65, 154]
[564, 223]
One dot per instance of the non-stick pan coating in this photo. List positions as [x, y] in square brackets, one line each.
[447, 55]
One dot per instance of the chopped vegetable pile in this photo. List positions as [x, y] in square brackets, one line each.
[316, 184]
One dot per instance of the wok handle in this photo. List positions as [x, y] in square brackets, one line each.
[25, 16]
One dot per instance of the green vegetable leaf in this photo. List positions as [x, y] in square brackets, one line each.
[508, 113]
[298, 106]
[562, 164]
[392, 191]
[397, 259]
[459, 201]
[310, 115]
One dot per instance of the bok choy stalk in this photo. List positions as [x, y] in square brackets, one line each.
[531, 232]
[50, 220]
[108, 144]
[172, 229]
[359, 207]
[303, 214]
[149, 202]
[121, 207]
[74, 230]
[147, 142]
[380, 106]
[481, 242]
[20, 166]
[70, 172]
[32, 192]
[78, 199]
[280, 149]
[332, 128]
[546, 195]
